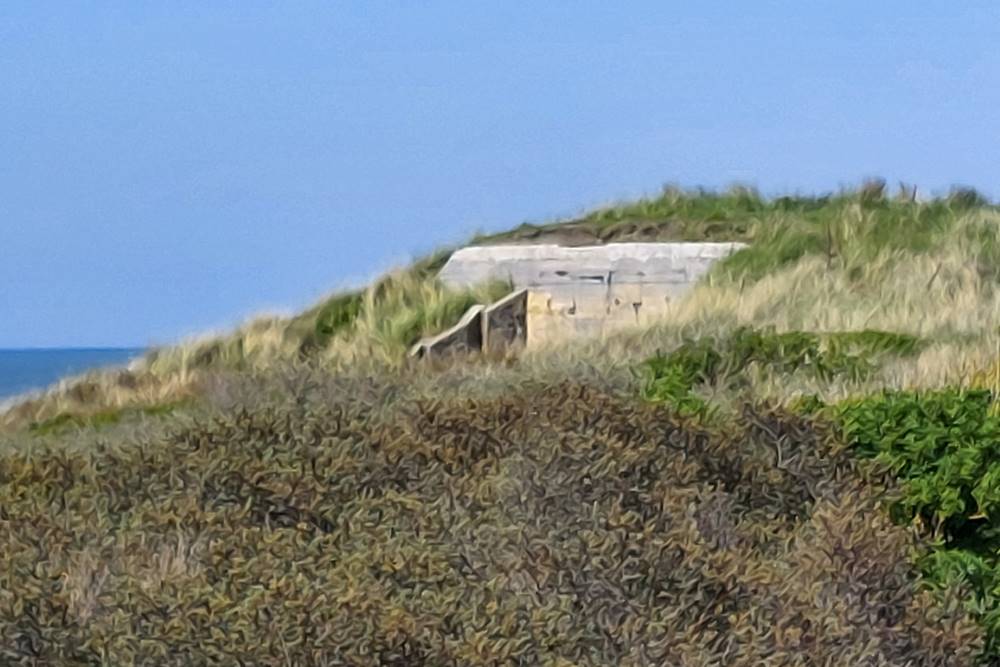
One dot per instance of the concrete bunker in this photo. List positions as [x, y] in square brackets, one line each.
[569, 292]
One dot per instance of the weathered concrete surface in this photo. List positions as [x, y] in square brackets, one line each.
[592, 290]
[552, 265]
[505, 322]
[560, 314]
[466, 336]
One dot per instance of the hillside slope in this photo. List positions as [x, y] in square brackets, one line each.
[796, 467]
[846, 261]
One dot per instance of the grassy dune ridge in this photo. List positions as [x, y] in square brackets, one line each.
[844, 261]
[795, 467]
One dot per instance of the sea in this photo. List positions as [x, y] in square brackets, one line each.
[24, 371]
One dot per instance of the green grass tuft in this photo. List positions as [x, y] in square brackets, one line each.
[672, 377]
[337, 314]
[68, 422]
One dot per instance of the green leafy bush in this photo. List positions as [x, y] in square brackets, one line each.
[671, 377]
[944, 447]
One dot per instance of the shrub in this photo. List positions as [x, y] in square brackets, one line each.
[944, 447]
[556, 525]
[671, 377]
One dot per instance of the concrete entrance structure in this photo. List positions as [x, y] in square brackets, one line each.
[589, 290]
[466, 336]
[499, 327]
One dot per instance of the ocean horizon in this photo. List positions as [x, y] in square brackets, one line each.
[32, 369]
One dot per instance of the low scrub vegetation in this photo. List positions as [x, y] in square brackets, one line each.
[558, 525]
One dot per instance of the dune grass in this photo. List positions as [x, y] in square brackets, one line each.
[371, 328]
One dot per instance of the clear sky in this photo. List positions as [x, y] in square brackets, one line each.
[171, 167]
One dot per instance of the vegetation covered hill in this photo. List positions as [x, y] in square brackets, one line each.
[798, 467]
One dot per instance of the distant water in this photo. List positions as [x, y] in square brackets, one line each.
[27, 370]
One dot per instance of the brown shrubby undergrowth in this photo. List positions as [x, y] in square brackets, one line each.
[556, 525]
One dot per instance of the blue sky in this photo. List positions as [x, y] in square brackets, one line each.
[171, 167]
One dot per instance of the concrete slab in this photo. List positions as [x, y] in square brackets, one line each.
[505, 322]
[466, 336]
[545, 265]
